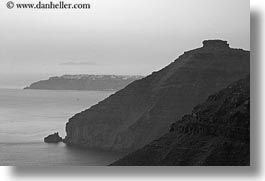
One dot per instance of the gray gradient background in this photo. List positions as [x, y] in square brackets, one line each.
[114, 36]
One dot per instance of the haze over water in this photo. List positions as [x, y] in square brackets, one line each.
[27, 116]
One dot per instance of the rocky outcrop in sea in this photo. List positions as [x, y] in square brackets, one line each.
[53, 138]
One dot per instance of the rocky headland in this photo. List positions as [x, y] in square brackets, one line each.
[145, 109]
[217, 132]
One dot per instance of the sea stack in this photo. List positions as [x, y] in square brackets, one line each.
[53, 138]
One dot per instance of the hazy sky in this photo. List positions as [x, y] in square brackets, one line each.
[115, 36]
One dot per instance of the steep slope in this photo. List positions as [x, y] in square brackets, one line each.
[85, 82]
[144, 110]
[216, 133]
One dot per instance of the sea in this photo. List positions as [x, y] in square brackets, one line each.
[27, 116]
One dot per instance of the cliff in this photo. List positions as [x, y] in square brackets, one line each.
[85, 82]
[144, 110]
[217, 132]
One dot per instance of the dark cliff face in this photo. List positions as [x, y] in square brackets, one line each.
[217, 132]
[85, 82]
[145, 109]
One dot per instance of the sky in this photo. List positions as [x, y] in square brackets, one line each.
[115, 36]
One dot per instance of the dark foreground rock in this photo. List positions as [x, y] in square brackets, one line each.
[217, 133]
[144, 110]
[53, 138]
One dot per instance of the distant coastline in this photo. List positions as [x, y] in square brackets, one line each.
[85, 82]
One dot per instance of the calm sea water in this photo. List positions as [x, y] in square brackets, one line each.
[27, 116]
